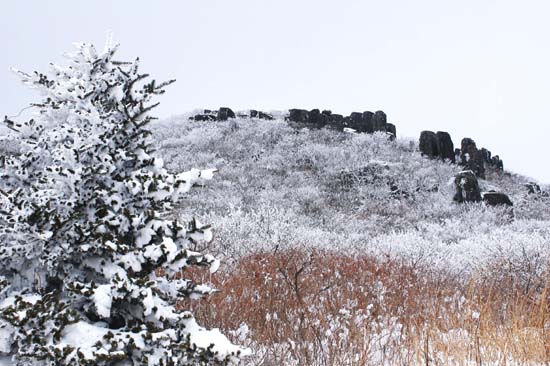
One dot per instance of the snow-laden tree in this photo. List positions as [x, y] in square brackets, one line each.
[92, 258]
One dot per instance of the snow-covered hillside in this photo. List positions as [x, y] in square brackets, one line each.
[283, 187]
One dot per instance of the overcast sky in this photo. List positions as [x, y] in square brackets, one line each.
[473, 68]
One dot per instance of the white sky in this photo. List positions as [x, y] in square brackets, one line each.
[472, 67]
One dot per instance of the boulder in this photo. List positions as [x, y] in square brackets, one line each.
[204, 117]
[298, 115]
[368, 122]
[428, 144]
[314, 117]
[479, 164]
[225, 113]
[356, 122]
[390, 128]
[467, 146]
[533, 188]
[266, 116]
[467, 187]
[336, 121]
[379, 121]
[446, 146]
[496, 199]
[472, 158]
[347, 121]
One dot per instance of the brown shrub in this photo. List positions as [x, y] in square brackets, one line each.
[324, 308]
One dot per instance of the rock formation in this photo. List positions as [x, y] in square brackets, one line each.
[390, 128]
[533, 188]
[468, 155]
[446, 146]
[368, 122]
[356, 122]
[337, 121]
[472, 158]
[429, 145]
[379, 121]
[225, 113]
[207, 115]
[467, 187]
[298, 115]
[437, 145]
[496, 199]
[316, 118]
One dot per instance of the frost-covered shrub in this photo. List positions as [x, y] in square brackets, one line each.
[89, 247]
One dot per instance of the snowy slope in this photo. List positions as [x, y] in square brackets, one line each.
[280, 187]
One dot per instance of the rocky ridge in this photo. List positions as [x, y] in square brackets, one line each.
[434, 145]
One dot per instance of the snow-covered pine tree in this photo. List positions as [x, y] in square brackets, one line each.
[89, 249]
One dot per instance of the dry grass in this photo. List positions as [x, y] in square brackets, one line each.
[324, 308]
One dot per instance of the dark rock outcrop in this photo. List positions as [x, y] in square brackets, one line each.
[428, 144]
[468, 155]
[468, 149]
[533, 188]
[315, 118]
[437, 145]
[368, 122]
[486, 155]
[225, 113]
[204, 117]
[390, 128]
[259, 114]
[356, 122]
[365, 122]
[496, 199]
[326, 116]
[467, 187]
[336, 121]
[497, 163]
[446, 146]
[298, 115]
[265, 116]
[472, 158]
[346, 121]
[379, 121]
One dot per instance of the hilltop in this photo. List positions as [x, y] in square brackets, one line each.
[287, 185]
